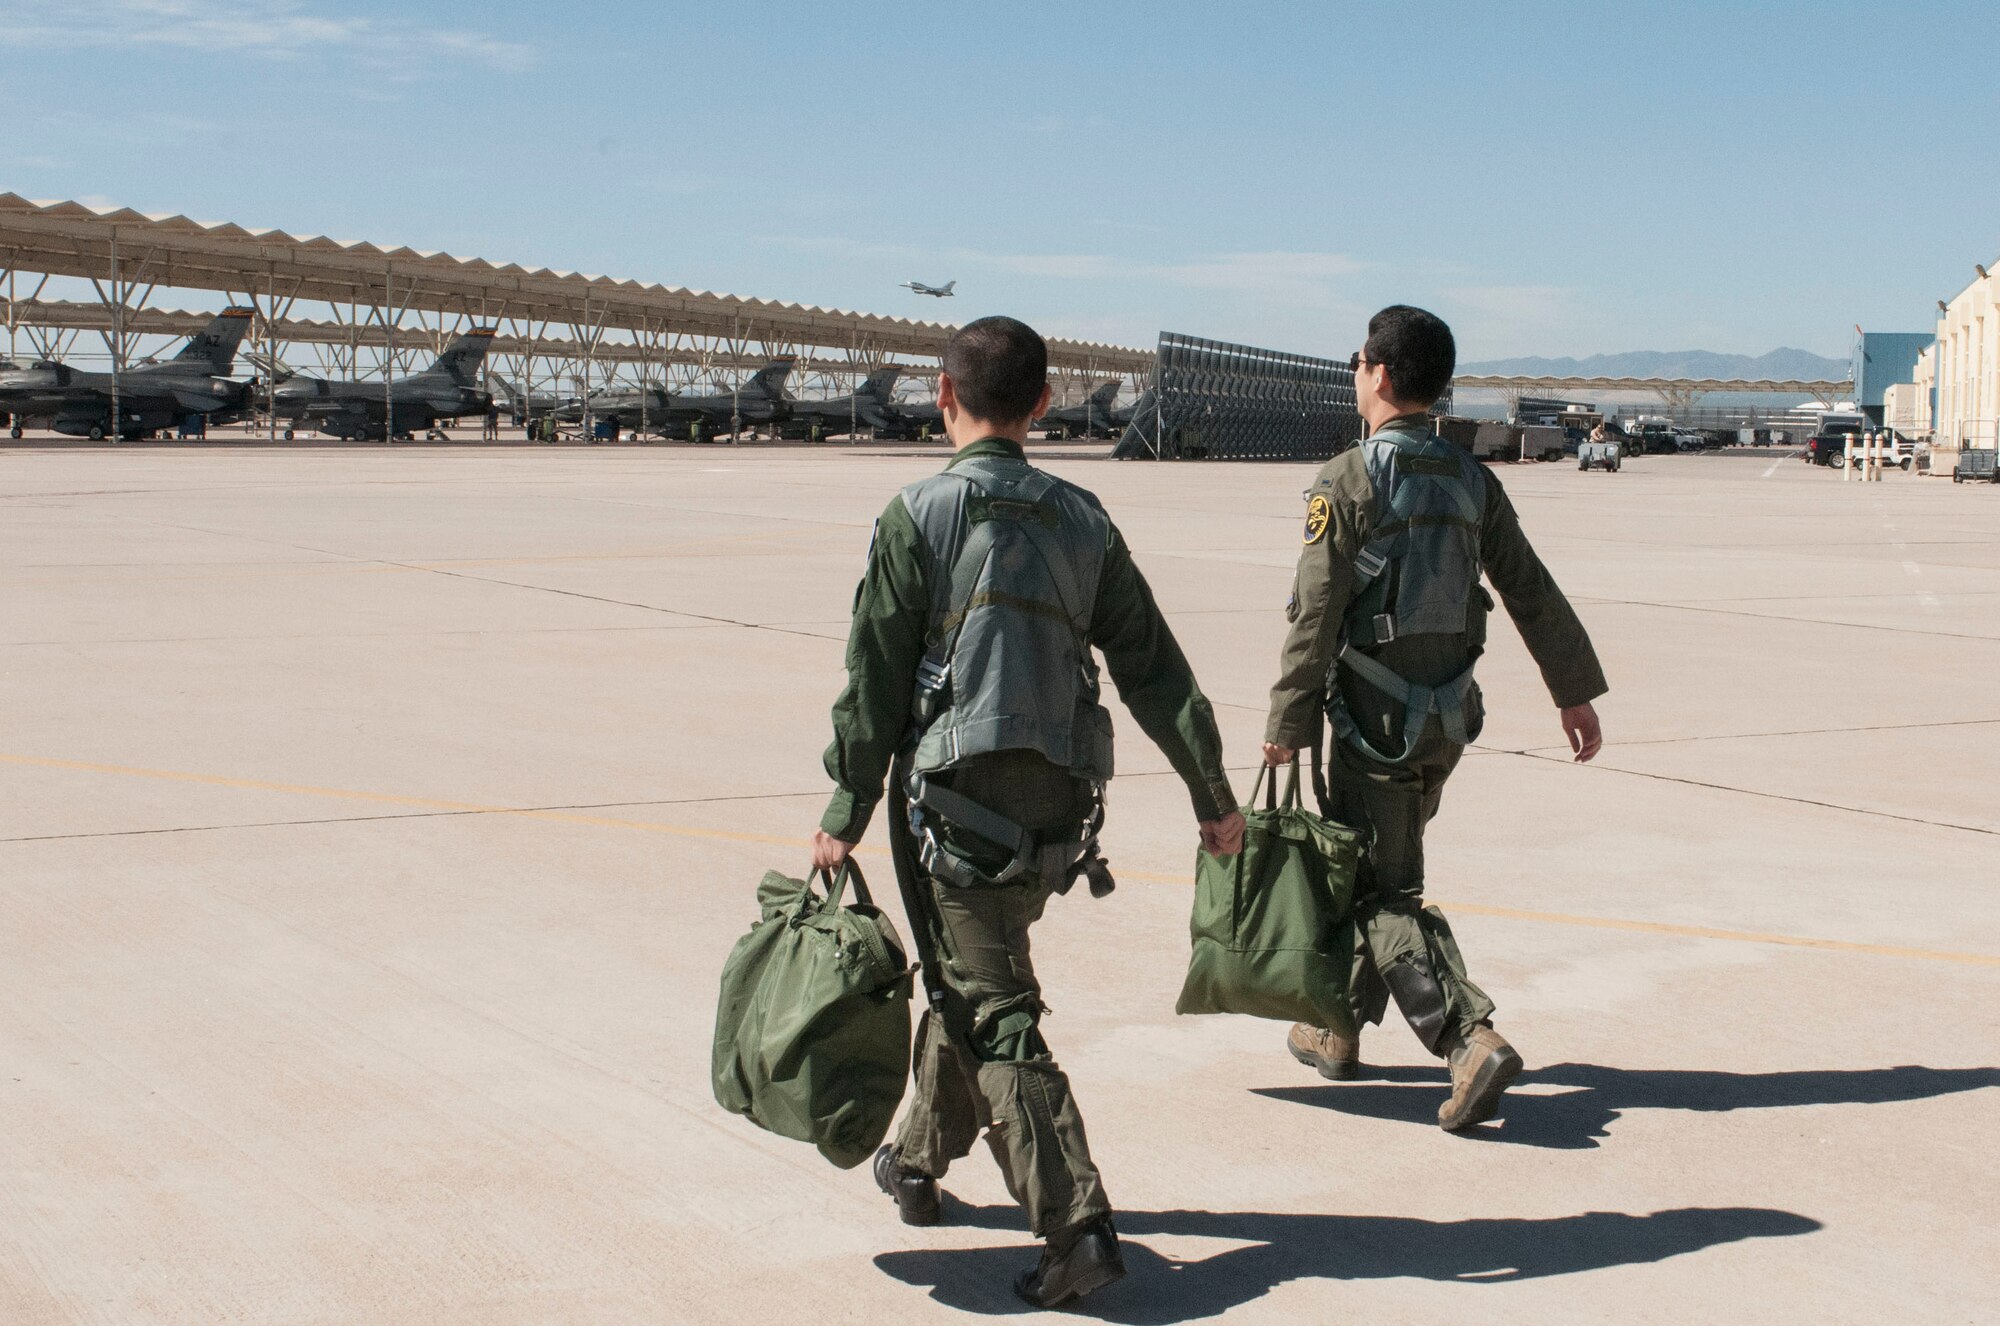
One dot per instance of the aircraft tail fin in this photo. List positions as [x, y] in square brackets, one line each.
[462, 358]
[214, 346]
[881, 384]
[946, 287]
[769, 380]
[1101, 399]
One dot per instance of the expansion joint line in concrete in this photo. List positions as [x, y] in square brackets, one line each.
[1800, 621]
[1563, 757]
[424, 807]
[623, 603]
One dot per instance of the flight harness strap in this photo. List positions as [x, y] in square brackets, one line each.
[1374, 619]
[1419, 703]
[1059, 859]
[909, 879]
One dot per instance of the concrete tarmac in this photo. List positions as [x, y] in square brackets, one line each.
[377, 820]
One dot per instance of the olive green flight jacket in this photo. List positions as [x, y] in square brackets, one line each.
[1324, 586]
[892, 605]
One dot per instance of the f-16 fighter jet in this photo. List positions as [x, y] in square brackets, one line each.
[1092, 418]
[941, 291]
[868, 406]
[77, 403]
[448, 389]
[761, 400]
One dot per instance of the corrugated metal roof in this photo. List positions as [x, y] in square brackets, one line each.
[69, 238]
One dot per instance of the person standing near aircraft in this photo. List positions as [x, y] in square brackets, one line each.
[970, 671]
[1387, 619]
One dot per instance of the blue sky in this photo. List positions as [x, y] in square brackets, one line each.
[1553, 178]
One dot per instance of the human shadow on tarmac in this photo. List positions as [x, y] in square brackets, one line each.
[1279, 1248]
[1575, 1119]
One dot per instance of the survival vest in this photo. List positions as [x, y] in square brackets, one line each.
[1418, 575]
[1016, 556]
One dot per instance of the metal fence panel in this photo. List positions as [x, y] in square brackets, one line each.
[1212, 400]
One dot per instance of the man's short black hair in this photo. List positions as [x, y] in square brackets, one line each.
[1417, 349]
[999, 366]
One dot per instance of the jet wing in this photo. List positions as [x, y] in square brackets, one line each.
[338, 417]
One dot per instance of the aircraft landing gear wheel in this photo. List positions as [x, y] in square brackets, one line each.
[97, 432]
[15, 431]
[288, 435]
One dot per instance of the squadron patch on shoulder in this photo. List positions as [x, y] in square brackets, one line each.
[1317, 515]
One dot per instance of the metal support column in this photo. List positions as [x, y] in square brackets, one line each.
[117, 343]
[388, 355]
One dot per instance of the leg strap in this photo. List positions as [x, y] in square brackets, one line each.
[1419, 703]
[1049, 860]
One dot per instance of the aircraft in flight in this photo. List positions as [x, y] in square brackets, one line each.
[941, 291]
[152, 396]
[448, 389]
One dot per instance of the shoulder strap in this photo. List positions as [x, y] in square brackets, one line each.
[1026, 509]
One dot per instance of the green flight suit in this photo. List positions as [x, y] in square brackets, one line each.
[1393, 803]
[984, 1064]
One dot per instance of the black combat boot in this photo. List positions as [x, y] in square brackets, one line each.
[916, 1194]
[1080, 1260]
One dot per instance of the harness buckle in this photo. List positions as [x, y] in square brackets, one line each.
[1385, 627]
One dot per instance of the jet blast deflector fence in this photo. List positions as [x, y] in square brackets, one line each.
[1212, 400]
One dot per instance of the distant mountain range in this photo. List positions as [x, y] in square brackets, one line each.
[1781, 364]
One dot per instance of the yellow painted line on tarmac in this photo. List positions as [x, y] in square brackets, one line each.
[248, 571]
[1734, 936]
[796, 844]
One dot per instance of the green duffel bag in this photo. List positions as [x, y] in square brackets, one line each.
[1273, 926]
[812, 1033]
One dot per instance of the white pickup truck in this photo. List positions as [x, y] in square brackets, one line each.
[1896, 452]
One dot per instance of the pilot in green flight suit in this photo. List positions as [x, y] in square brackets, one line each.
[1387, 619]
[970, 667]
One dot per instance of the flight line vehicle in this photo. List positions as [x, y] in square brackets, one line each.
[1605, 455]
[940, 291]
[1091, 418]
[353, 411]
[151, 396]
[1830, 436]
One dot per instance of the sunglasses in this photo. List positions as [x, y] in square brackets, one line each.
[1356, 360]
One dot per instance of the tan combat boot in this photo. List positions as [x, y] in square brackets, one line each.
[1337, 1057]
[1482, 1064]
